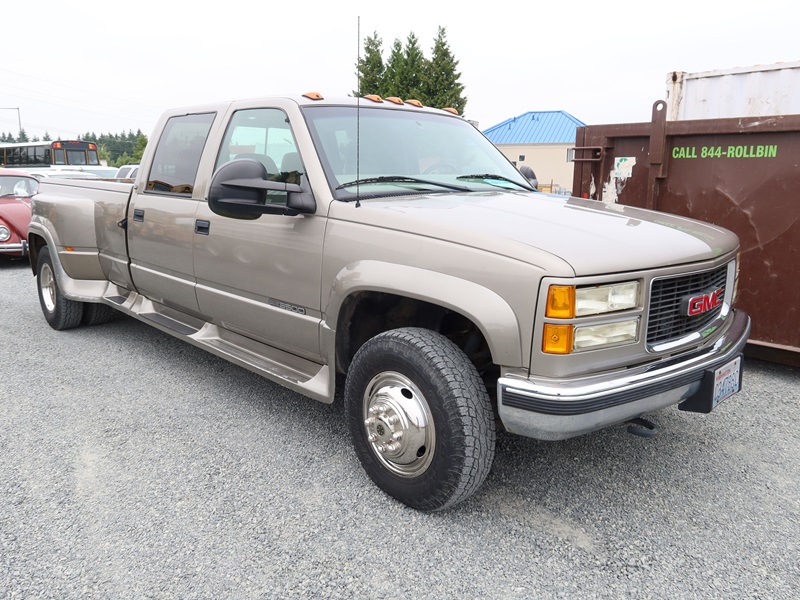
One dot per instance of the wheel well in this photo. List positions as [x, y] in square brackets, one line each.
[366, 314]
[35, 244]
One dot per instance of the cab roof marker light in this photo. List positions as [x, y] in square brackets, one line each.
[450, 109]
[416, 103]
[394, 99]
[374, 97]
[313, 96]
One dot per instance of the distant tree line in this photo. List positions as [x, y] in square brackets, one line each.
[407, 74]
[119, 148]
[116, 149]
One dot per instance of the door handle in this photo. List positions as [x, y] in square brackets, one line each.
[202, 227]
[138, 214]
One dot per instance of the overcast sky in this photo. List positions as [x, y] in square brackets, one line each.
[110, 67]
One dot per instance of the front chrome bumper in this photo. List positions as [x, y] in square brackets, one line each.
[549, 409]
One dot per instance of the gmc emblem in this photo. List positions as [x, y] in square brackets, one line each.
[692, 306]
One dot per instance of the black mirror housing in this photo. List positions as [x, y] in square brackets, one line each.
[239, 190]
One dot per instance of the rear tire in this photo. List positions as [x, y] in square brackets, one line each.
[95, 313]
[420, 418]
[59, 312]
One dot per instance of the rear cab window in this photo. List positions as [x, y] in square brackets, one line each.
[177, 156]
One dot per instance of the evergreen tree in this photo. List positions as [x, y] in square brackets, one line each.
[442, 88]
[23, 137]
[124, 159]
[370, 68]
[407, 74]
[414, 65]
[392, 73]
[139, 146]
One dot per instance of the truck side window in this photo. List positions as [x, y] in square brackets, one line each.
[177, 155]
[264, 134]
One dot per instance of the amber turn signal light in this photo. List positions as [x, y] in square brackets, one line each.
[560, 302]
[557, 339]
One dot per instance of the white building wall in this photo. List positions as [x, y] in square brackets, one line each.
[548, 161]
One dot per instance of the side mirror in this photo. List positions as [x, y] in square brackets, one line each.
[528, 173]
[239, 189]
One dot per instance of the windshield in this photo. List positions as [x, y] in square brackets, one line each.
[12, 185]
[375, 152]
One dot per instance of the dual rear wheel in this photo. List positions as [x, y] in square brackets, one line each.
[59, 311]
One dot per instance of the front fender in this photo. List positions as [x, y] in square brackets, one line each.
[486, 309]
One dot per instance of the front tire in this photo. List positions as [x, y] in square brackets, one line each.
[420, 418]
[59, 312]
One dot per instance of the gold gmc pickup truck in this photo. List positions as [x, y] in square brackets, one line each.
[391, 248]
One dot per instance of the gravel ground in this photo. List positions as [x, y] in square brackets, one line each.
[133, 465]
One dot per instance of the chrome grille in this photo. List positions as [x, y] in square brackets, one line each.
[665, 321]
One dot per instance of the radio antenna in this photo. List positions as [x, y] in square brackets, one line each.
[358, 115]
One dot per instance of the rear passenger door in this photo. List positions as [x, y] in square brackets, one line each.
[161, 217]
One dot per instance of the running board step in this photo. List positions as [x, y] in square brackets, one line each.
[299, 374]
[172, 324]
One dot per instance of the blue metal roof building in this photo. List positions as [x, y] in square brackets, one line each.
[536, 127]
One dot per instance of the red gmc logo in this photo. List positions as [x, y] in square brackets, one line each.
[697, 305]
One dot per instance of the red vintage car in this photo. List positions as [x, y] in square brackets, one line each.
[16, 189]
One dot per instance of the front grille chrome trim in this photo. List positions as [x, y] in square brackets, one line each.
[667, 329]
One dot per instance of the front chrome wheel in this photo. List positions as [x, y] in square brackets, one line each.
[398, 424]
[419, 417]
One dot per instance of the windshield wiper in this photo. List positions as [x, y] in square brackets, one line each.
[403, 179]
[485, 176]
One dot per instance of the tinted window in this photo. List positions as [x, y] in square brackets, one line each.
[263, 134]
[178, 153]
[76, 157]
[379, 142]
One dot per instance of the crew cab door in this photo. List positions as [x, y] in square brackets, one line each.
[161, 217]
[260, 277]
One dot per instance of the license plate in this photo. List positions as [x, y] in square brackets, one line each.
[726, 381]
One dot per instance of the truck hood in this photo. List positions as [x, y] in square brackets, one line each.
[591, 237]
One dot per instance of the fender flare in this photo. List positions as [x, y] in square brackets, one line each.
[80, 290]
[486, 309]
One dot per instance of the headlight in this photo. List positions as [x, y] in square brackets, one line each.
[573, 303]
[610, 334]
[567, 301]
[565, 339]
[5, 234]
[606, 298]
